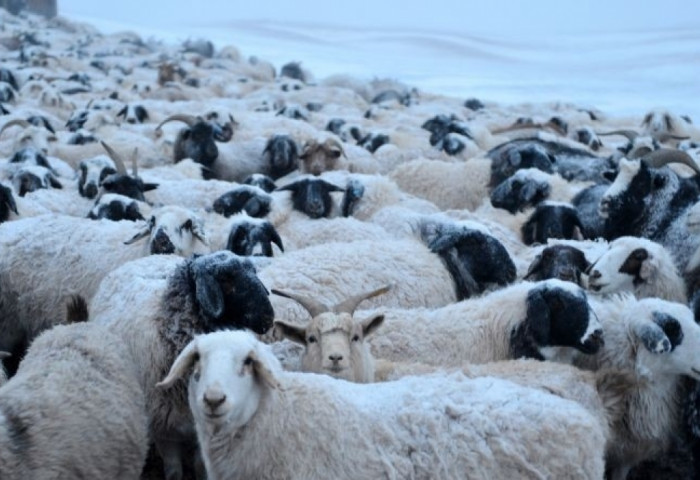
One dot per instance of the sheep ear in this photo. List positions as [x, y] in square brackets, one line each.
[147, 187]
[122, 112]
[274, 236]
[263, 371]
[671, 328]
[292, 187]
[209, 296]
[653, 337]
[534, 268]
[634, 264]
[371, 324]
[182, 364]
[53, 181]
[295, 333]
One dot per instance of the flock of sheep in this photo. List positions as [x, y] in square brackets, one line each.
[212, 268]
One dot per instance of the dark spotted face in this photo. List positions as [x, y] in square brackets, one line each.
[551, 221]
[116, 211]
[229, 293]
[518, 193]
[558, 315]
[77, 121]
[312, 196]
[372, 142]
[253, 238]
[92, 175]
[282, 155]
[517, 157]
[126, 185]
[261, 181]
[253, 201]
[563, 262]
[198, 144]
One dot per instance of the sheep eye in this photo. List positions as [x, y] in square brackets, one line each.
[356, 338]
[311, 339]
[248, 361]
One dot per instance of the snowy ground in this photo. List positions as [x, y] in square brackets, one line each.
[613, 55]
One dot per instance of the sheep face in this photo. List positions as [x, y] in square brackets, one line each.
[126, 185]
[252, 200]
[197, 143]
[173, 230]
[317, 158]
[473, 258]
[282, 155]
[662, 123]
[228, 293]
[552, 221]
[625, 198]
[335, 345]
[261, 181]
[520, 191]
[30, 156]
[670, 338]
[312, 196]
[558, 315]
[133, 114]
[93, 172]
[37, 138]
[115, 208]
[253, 237]
[588, 137]
[229, 372]
[506, 161]
[564, 262]
[32, 178]
[628, 263]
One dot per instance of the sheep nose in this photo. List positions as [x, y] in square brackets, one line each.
[335, 358]
[215, 399]
[131, 120]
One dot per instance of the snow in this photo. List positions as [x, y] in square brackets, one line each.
[620, 56]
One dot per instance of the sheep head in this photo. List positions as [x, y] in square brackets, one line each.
[334, 341]
[228, 373]
[559, 261]
[317, 157]
[173, 230]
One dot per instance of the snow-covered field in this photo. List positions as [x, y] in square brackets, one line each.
[619, 56]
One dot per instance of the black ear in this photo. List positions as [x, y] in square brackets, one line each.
[141, 113]
[670, 326]
[634, 261]
[273, 235]
[122, 112]
[149, 186]
[535, 267]
[53, 181]
[208, 293]
[329, 187]
[292, 187]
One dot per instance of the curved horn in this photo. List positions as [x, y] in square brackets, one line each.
[311, 305]
[628, 134]
[188, 119]
[665, 137]
[349, 305]
[17, 121]
[664, 156]
[121, 168]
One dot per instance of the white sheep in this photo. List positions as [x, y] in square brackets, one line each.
[657, 341]
[45, 259]
[441, 425]
[534, 320]
[640, 266]
[74, 409]
[156, 305]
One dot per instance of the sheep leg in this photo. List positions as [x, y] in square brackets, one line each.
[171, 453]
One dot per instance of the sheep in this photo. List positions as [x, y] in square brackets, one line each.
[657, 341]
[253, 200]
[330, 271]
[564, 262]
[172, 300]
[640, 266]
[46, 258]
[647, 200]
[36, 137]
[530, 186]
[532, 320]
[248, 392]
[7, 203]
[662, 124]
[116, 207]
[31, 178]
[282, 155]
[74, 409]
[318, 157]
[133, 114]
[252, 236]
[92, 172]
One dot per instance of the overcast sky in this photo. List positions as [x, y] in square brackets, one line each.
[532, 17]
